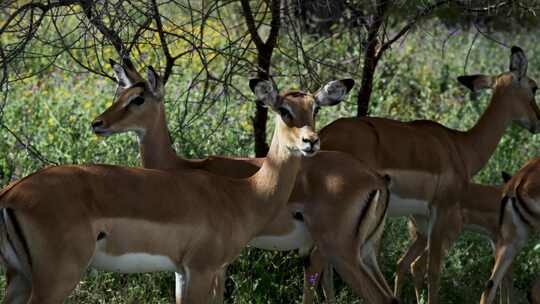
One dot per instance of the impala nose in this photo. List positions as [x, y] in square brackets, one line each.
[311, 141]
[311, 145]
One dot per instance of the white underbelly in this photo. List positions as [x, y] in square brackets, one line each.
[299, 238]
[404, 206]
[131, 262]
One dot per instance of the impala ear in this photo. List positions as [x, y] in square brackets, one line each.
[506, 176]
[120, 74]
[154, 81]
[477, 82]
[334, 92]
[518, 63]
[265, 92]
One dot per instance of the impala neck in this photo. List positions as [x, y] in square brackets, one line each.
[274, 182]
[478, 144]
[155, 145]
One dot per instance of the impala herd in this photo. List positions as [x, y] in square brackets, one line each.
[194, 216]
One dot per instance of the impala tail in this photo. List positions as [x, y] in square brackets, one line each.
[14, 252]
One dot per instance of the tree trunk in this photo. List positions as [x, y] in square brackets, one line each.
[371, 58]
[264, 58]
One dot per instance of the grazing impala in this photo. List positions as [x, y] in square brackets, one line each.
[430, 164]
[325, 193]
[519, 216]
[480, 213]
[60, 220]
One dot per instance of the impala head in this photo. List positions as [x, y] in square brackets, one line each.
[513, 87]
[138, 102]
[296, 110]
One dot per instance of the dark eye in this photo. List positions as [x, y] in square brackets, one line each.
[316, 110]
[285, 113]
[534, 90]
[139, 100]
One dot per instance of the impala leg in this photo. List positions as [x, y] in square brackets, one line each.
[18, 288]
[199, 285]
[219, 288]
[179, 286]
[359, 278]
[534, 293]
[327, 282]
[405, 263]
[503, 259]
[314, 266]
[507, 287]
[513, 233]
[418, 271]
[53, 279]
[443, 231]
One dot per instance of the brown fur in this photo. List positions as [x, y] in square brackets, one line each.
[432, 163]
[326, 181]
[207, 219]
[480, 207]
[519, 217]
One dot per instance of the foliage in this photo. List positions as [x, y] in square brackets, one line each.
[416, 80]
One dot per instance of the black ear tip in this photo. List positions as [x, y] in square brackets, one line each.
[506, 176]
[112, 62]
[466, 81]
[516, 49]
[151, 69]
[127, 62]
[348, 82]
[253, 83]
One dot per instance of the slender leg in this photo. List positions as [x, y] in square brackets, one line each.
[405, 262]
[445, 225]
[314, 265]
[359, 278]
[54, 279]
[328, 284]
[18, 288]
[199, 286]
[504, 257]
[418, 271]
[513, 234]
[507, 287]
[534, 295]
[219, 288]
[179, 286]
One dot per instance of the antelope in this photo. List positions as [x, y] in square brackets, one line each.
[58, 221]
[325, 193]
[480, 214]
[519, 216]
[430, 164]
[534, 295]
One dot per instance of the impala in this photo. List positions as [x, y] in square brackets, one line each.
[67, 218]
[519, 216]
[430, 164]
[534, 295]
[326, 192]
[480, 213]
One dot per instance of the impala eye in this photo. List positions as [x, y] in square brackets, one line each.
[139, 100]
[316, 110]
[285, 113]
[534, 90]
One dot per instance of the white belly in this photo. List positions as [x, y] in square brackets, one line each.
[404, 206]
[131, 263]
[299, 238]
